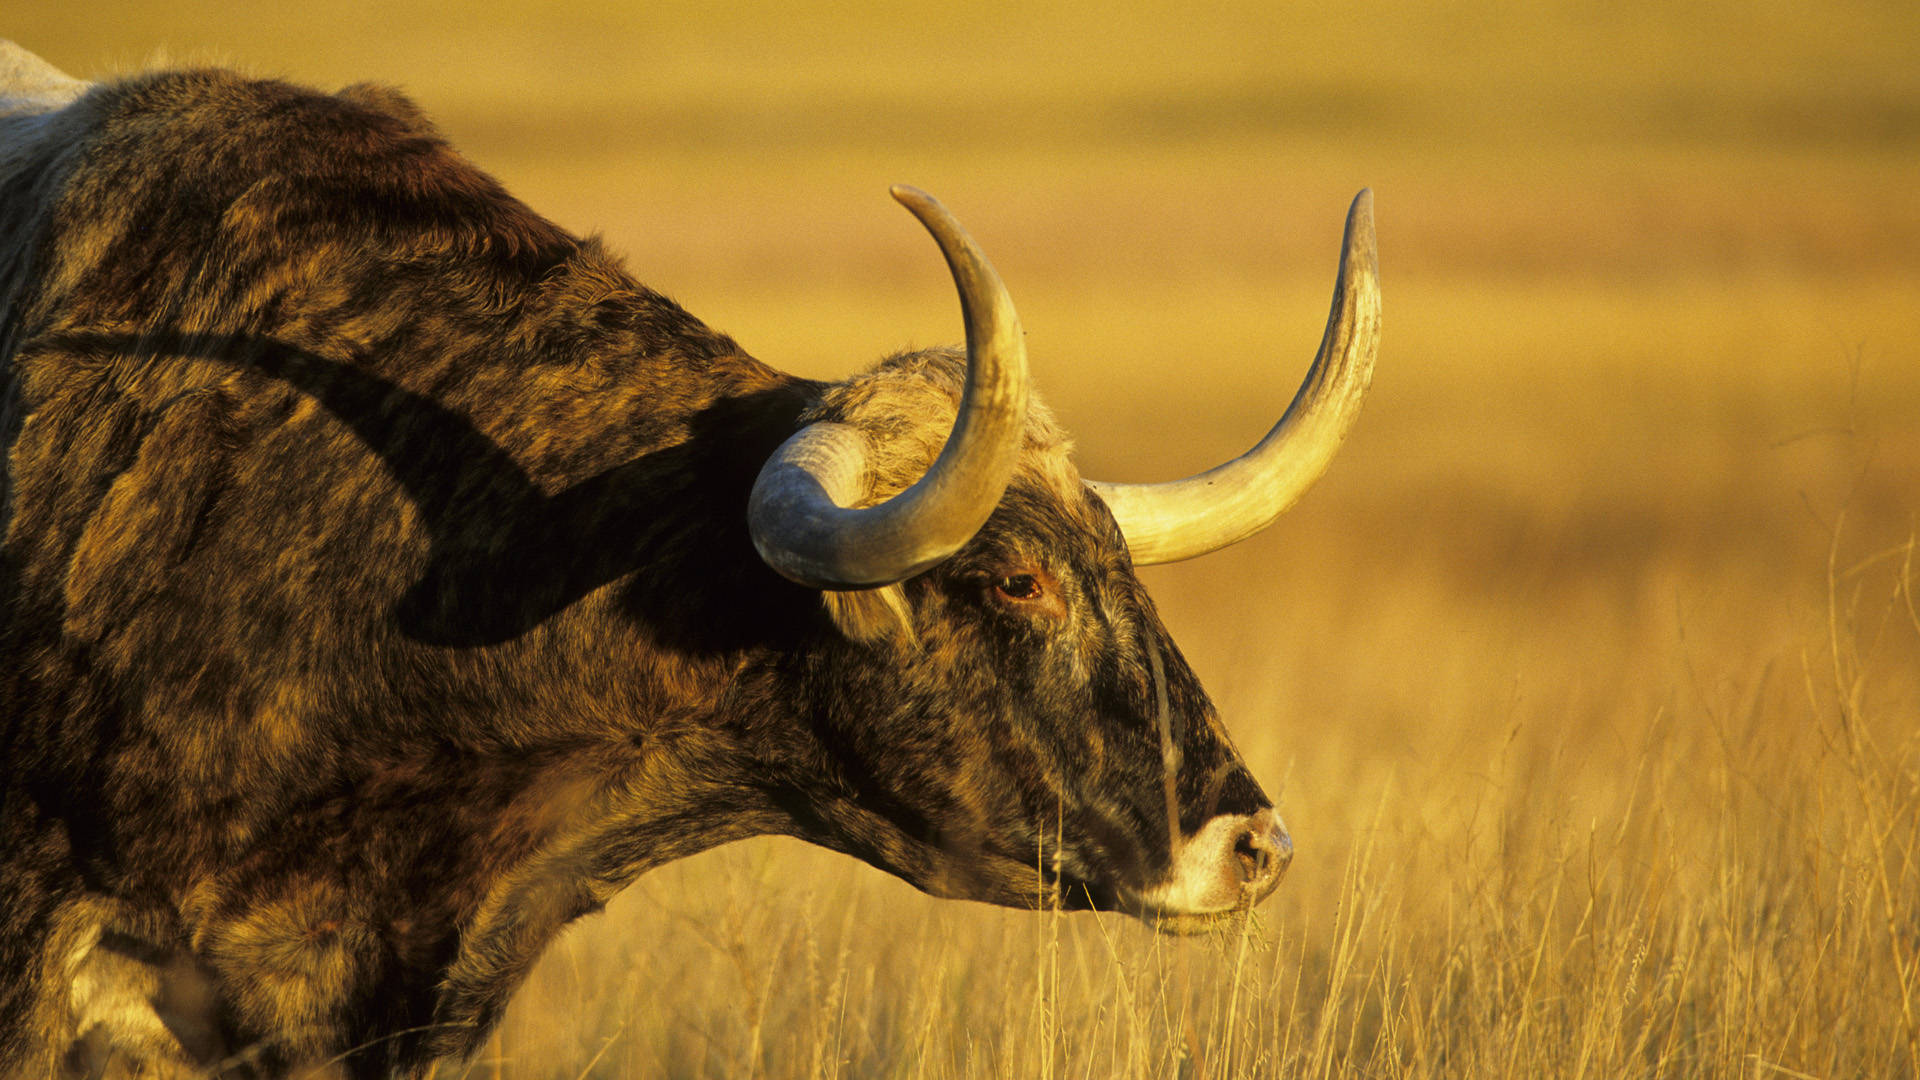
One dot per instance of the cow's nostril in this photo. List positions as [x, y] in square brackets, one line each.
[1254, 857]
[1263, 850]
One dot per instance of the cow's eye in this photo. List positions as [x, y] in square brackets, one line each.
[1032, 593]
[1019, 587]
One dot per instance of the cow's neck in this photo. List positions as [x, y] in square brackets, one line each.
[675, 793]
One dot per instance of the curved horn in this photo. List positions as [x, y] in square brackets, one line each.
[800, 513]
[1228, 503]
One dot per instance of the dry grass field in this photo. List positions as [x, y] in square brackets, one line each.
[1588, 680]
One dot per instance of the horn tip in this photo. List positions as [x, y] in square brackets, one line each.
[909, 196]
[1360, 214]
[1359, 244]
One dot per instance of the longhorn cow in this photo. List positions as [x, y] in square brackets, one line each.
[389, 578]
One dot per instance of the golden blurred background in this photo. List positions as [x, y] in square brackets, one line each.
[1588, 679]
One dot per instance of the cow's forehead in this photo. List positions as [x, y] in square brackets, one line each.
[906, 405]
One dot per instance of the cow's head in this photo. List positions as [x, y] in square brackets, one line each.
[1017, 723]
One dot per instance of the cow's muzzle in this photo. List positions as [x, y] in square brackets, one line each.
[1233, 862]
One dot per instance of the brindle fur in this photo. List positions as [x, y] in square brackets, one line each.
[378, 598]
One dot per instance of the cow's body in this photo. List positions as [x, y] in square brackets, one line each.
[378, 597]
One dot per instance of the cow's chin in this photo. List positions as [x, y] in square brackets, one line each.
[1080, 896]
[1190, 923]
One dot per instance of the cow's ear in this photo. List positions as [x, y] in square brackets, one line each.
[870, 616]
